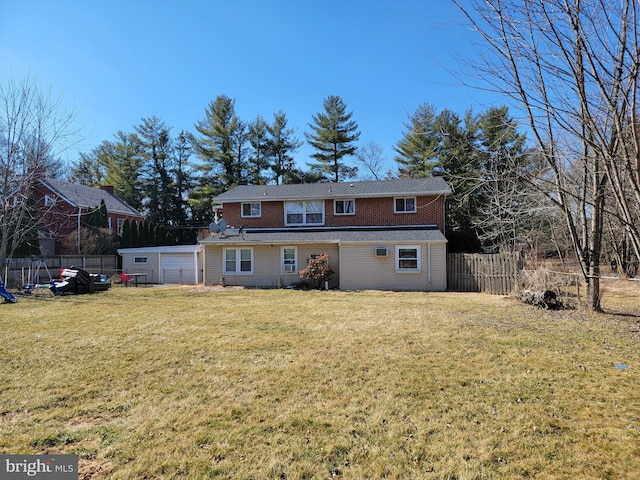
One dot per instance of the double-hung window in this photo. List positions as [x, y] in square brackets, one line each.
[407, 258]
[251, 209]
[49, 200]
[304, 213]
[345, 207]
[238, 261]
[289, 260]
[405, 205]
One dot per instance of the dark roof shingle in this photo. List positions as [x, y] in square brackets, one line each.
[87, 197]
[317, 191]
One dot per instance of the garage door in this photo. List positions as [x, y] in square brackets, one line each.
[178, 268]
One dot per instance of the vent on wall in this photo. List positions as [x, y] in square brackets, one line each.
[381, 251]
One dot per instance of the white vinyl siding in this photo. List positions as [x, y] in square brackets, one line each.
[267, 266]
[360, 269]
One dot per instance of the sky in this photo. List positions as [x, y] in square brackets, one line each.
[116, 62]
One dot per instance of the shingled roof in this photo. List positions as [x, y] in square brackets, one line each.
[255, 236]
[317, 191]
[81, 196]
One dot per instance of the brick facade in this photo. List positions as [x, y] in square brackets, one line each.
[368, 212]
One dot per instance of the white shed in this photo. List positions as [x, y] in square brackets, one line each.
[180, 264]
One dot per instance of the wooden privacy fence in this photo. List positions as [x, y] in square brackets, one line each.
[13, 271]
[478, 272]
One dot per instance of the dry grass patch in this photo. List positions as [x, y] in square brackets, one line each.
[234, 383]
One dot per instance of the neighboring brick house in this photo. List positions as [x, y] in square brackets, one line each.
[62, 206]
[378, 234]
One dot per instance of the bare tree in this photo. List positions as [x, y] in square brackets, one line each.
[370, 156]
[572, 66]
[34, 130]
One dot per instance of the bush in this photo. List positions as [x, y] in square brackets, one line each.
[318, 271]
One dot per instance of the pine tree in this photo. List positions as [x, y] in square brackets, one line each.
[126, 240]
[333, 138]
[280, 145]
[417, 150]
[217, 146]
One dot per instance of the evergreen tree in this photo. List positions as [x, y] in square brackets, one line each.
[135, 234]
[221, 134]
[104, 215]
[117, 163]
[280, 145]
[417, 150]
[333, 137]
[259, 157]
[160, 173]
[126, 240]
[470, 154]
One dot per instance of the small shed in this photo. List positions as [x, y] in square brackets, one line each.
[179, 264]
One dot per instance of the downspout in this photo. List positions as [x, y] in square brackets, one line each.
[429, 262]
[79, 218]
[195, 267]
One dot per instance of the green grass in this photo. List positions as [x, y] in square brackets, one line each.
[279, 384]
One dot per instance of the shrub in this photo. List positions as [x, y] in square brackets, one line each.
[318, 271]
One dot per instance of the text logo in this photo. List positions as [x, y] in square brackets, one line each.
[50, 467]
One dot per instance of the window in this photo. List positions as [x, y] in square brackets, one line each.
[49, 200]
[304, 213]
[407, 258]
[120, 222]
[289, 260]
[405, 205]
[251, 209]
[140, 259]
[345, 207]
[381, 251]
[238, 261]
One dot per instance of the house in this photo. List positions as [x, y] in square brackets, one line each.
[179, 264]
[379, 234]
[62, 205]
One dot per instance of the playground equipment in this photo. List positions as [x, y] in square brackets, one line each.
[36, 267]
[6, 296]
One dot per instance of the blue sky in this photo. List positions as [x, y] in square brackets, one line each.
[116, 62]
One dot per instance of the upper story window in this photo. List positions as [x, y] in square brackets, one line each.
[251, 209]
[405, 205]
[344, 207]
[49, 200]
[304, 213]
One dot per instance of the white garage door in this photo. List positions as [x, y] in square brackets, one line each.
[178, 268]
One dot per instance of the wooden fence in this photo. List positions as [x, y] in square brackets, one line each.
[489, 273]
[16, 270]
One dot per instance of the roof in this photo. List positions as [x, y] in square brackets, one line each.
[162, 249]
[412, 233]
[317, 191]
[88, 197]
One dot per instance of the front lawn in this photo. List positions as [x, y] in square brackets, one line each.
[194, 383]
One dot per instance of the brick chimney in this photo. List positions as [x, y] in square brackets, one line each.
[107, 188]
[37, 173]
